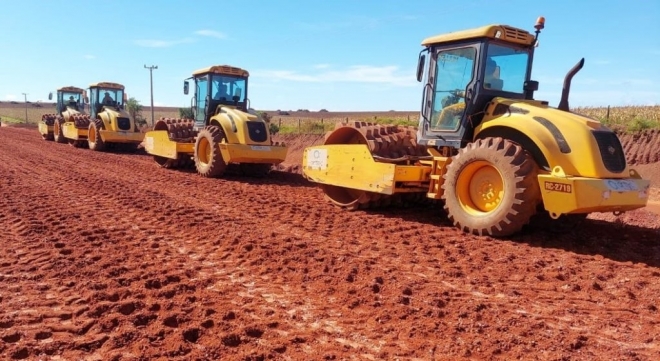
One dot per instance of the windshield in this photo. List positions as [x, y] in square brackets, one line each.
[69, 99]
[111, 97]
[506, 68]
[228, 88]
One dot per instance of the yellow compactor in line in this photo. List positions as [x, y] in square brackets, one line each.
[69, 103]
[491, 153]
[107, 123]
[224, 131]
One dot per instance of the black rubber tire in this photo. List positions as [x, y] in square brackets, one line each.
[211, 164]
[521, 193]
[97, 143]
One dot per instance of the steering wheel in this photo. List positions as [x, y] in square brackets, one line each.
[459, 93]
[454, 97]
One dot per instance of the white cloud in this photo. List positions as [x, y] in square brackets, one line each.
[211, 33]
[151, 43]
[88, 56]
[354, 74]
[10, 96]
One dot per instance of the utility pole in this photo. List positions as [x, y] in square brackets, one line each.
[151, 81]
[25, 100]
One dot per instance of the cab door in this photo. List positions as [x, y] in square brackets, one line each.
[201, 101]
[449, 90]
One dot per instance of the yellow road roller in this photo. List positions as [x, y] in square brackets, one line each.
[69, 102]
[224, 132]
[484, 148]
[107, 124]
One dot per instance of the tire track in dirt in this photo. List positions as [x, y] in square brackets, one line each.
[177, 266]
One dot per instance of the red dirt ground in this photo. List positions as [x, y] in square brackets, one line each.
[107, 257]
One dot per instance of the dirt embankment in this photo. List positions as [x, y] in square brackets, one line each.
[642, 147]
[643, 153]
[297, 144]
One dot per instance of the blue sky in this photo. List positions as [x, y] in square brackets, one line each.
[340, 55]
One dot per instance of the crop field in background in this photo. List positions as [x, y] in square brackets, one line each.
[623, 118]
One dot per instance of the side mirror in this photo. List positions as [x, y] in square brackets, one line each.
[185, 87]
[529, 88]
[420, 67]
[125, 98]
[86, 100]
[531, 85]
[50, 96]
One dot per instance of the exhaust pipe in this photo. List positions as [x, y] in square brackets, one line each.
[563, 103]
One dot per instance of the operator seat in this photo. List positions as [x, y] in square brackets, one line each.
[492, 76]
[494, 83]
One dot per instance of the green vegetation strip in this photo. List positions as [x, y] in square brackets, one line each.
[8, 120]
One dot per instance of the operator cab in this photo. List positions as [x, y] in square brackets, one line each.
[465, 71]
[105, 95]
[68, 97]
[215, 87]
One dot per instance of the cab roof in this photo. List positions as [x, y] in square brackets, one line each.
[105, 84]
[493, 31]
[222, 69]
[70, 89]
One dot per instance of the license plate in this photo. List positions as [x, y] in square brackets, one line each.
[260, 147]
[558, 187]
[621, 185]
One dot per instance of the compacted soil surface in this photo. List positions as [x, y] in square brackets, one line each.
[106, 256]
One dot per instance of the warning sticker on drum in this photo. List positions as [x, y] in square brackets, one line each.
[317, 159]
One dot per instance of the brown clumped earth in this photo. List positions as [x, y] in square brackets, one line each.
[642, 147]
[105, 256]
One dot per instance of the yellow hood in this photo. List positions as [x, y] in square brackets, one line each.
[581, 146]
